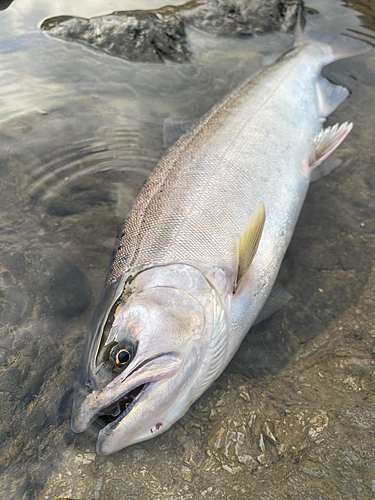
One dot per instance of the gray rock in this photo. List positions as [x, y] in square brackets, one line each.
[159, 35]
[137, 36]
[243, 17]
[4, 4]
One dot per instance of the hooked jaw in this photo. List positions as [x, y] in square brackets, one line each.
[127, 407]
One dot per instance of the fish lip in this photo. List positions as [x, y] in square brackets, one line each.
[92, 408]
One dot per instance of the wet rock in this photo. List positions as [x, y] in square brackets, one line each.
[243, 17]
[137, 36]
[159, 35]
[4, 4]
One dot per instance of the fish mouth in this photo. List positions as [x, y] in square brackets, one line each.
[114, 412]
[106, 409]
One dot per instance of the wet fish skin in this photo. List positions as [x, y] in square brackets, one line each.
[169, 296]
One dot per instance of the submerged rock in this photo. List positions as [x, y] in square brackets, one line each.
[159, 35]
[366, 11]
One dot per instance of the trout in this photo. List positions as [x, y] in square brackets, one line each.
[195, 262]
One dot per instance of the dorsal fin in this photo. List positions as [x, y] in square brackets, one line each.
[249, 241]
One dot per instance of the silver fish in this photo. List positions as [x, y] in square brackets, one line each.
[198, 255]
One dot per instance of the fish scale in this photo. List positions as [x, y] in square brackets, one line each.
[214, 185]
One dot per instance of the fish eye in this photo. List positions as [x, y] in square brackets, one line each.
[120, 356]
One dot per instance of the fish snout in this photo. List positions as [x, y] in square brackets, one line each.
[154, 398]
[113, 403]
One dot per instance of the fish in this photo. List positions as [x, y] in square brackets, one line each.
[195, 262]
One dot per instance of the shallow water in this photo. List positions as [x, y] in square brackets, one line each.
[80, 131]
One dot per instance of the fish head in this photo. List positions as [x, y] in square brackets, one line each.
[140, 363]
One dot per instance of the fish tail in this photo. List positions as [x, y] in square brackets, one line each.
[334, 46]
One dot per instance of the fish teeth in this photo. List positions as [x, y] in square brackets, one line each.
[116, 411]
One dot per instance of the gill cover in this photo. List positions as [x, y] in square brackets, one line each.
[90, 376]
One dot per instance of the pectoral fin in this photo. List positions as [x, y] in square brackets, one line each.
[249, 242]
[326, 141]
[277, 299]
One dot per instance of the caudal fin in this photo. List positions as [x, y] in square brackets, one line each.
[335, 46]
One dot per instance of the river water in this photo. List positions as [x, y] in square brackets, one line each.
[80, 132]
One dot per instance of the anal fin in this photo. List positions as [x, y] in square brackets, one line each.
[325, 168]
[249, 241]
[326, 141]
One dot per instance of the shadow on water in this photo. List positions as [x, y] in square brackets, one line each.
[79, 134]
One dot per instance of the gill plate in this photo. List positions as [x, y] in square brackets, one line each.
[217, 348]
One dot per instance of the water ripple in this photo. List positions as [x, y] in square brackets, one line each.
[68, 171]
